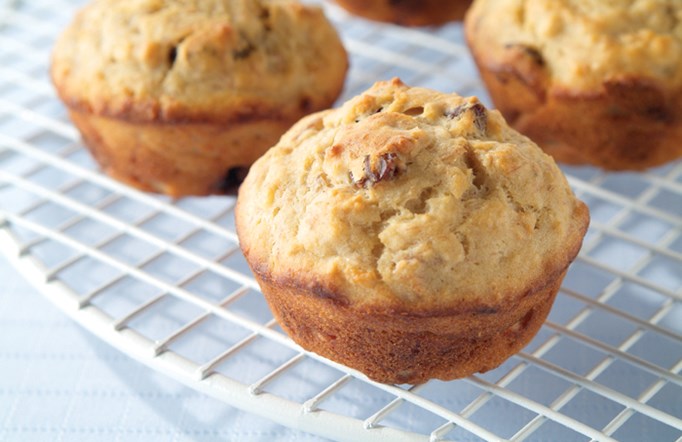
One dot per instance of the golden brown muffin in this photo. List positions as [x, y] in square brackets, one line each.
[590, 81]
[408, 12]
[409, 234]
[181, 96]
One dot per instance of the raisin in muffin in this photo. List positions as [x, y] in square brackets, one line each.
[409, 234]
[592, 82]
[179, 97]
[408, 12]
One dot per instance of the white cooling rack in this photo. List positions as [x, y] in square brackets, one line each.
[164, 280]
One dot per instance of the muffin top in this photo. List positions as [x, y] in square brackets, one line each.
[213, 60]
[406, 199]
[584, 42]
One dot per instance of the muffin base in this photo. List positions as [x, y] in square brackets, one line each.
[629, 124]
[395, 347]
[408, 12]
[177, 159]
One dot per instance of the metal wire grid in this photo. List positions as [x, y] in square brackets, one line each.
[165, 282]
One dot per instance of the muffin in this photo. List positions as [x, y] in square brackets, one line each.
[180, 97]
[409, 234]
[408, 12]
[591, 82]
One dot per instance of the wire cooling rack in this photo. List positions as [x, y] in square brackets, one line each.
[164, 280]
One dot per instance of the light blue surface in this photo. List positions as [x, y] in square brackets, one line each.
[58, 382]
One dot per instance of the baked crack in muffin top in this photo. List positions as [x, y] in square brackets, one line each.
[151, 60]
[409, 200]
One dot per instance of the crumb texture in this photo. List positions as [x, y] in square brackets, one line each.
[583, 42]
[406, 195]
[198, 59]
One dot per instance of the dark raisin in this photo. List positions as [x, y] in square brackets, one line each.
[243, 52]
[657, 113]
[386, 167]
[530, 51]
[369, 173]
[244, 47]
[479, 111]
[265, 19]
[383, 168]
[456, 112]
[229, 184]
[172, 55]
[534, 54]
[305, 104]
[480, 117]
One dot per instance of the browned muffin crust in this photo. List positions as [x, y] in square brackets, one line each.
[407, 347]
[613, 113]
[154, 156]
[408, 12]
